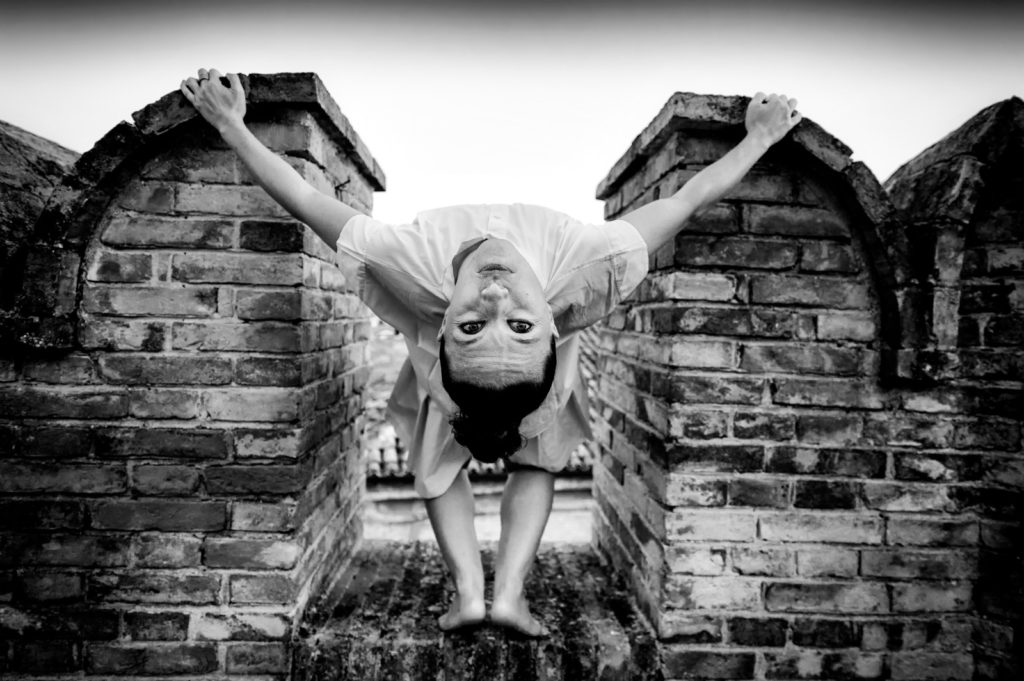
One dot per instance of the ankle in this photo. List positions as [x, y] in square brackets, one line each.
[508, 591]
[469, 586]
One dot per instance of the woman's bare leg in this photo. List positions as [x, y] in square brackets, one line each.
[451, 516]
[525, 507]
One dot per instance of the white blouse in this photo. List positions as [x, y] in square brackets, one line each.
[404, 274]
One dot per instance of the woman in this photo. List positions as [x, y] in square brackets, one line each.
[490, 300]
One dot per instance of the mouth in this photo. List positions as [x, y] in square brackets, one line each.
[493, 268]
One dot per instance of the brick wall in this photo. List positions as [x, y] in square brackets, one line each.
[791, 489]
[961, 201]
[181, 469]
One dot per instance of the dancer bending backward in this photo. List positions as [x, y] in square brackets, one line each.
[490, 300]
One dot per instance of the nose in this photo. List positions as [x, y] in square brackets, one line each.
[494, 292]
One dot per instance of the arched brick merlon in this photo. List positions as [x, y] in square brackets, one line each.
[41, 317]
[827, 159]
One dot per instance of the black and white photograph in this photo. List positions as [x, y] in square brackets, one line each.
[512, 341]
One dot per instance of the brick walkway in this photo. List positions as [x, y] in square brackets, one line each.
[384, 626]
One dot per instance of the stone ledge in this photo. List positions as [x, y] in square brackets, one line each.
[302, 89]
[381, 623]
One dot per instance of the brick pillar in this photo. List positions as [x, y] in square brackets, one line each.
[185, 479]
[783, 502]
[961, 199]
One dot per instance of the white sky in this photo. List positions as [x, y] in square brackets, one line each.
[475, 103]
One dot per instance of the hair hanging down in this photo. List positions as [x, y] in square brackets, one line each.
[487, 422]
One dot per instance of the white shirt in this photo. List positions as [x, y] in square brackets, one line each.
[404, 273]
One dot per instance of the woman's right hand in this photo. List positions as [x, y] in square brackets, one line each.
[223, 106]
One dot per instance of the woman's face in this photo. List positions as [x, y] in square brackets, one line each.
[498, 325]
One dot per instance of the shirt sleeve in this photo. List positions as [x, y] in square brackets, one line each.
[596, 267]
[395, 270]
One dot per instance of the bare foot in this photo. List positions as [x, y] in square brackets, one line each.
[465, 611]
[515, 614]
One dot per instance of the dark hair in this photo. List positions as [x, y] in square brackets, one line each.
[487, 422]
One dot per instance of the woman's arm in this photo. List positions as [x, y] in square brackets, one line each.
[768, 120]
[224, 108]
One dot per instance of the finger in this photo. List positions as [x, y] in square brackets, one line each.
[236, 84]
[188, 93]
[203, 73]
[796, 117]
[192, 84]
[792, 104]
[759, 97]
[216, 77]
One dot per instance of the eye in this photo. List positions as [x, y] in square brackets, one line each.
[520, 326]
[471, 328]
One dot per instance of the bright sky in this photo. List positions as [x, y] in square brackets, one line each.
[533, 102]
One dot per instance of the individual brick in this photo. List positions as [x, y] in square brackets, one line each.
[679, 662]
[156, 626]
[256, 480]
[267, 235]
[166, 515]
[160, 480]
[44, 657]
[814, 664]
[63, 478]
[166, 369]
[833, 562]
[152, 301]
[166, 550]
[932, 597]
[242, 627]
[98, 333]
[735, 252]
[269, 371]
[856, 463]
[863, 597]
[237, 268]
[73, 550]
[262, 517]
[756, 492]
[226, 336]
[677, 626]
[163, 403]
[767, 561]
[836, 527]
[826, 494]
[33, 514]
[260, 589]
[827, 256]
[254, 554]
[688, 525]
[825, 633]
[257, 658]
[773, 426]
[690, 560]
[818, 292]
[179, 443]
[919, 565]
[931, 531]
[802, 359]
[794, 221]
[37, 401]
[180, 658]
[759, 632]
[253, 404]
[930, 665]
[689, 458]
[52, 587]
[162, 232]
[155, 587]
[688, 389]
[711, 593]
[118, 267]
